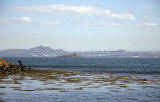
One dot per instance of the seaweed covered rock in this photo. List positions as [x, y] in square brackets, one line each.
[8, 67]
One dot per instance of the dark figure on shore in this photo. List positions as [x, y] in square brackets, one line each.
[21, 65]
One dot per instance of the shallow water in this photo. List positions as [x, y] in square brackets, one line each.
[85, 80]
[55, 86]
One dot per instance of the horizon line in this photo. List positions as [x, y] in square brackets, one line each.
[84, 50]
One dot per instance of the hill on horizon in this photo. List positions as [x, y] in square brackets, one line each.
[44, 51]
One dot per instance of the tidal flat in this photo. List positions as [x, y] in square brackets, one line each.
[70, 86]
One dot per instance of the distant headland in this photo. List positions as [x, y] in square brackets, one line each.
[44, 51]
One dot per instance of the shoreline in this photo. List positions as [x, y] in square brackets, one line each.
[8, 67]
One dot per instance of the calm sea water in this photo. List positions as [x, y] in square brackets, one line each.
[96, 65]
[139, 83]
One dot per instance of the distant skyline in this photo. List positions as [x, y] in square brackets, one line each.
[80, 25]
[78, 50]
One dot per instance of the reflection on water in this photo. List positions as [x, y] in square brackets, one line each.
[63, 86]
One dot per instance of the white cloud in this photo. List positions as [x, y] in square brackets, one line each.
[22, 33]
[26, 19]
[16, 19]
[76, 10]
[33, 32]
[50, 23]
[104, 24]
[113, 24]
[150, 24]
[146, 24]
[145, 17]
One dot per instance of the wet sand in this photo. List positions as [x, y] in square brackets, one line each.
[68, 86]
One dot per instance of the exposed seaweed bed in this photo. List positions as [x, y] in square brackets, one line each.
[65, 86]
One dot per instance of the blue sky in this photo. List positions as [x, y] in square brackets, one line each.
[80, 25]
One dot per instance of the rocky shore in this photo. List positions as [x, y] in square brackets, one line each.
[8, 67]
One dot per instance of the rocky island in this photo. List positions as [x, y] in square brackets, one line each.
[74, 55]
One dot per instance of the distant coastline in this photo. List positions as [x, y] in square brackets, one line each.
[43, 51]
[74, 55]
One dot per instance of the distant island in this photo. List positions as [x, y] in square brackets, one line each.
[74, 55]
[44, 51]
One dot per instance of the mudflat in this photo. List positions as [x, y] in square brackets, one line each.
[66, 86]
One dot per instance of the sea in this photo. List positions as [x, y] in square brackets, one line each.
[93, 65]
[95, 80]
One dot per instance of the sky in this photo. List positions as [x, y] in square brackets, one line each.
[80, 25]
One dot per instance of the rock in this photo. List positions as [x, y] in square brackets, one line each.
[1, 59]
[8, 67]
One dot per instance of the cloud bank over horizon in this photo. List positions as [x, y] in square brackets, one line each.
[75, 10]
[16, 19]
